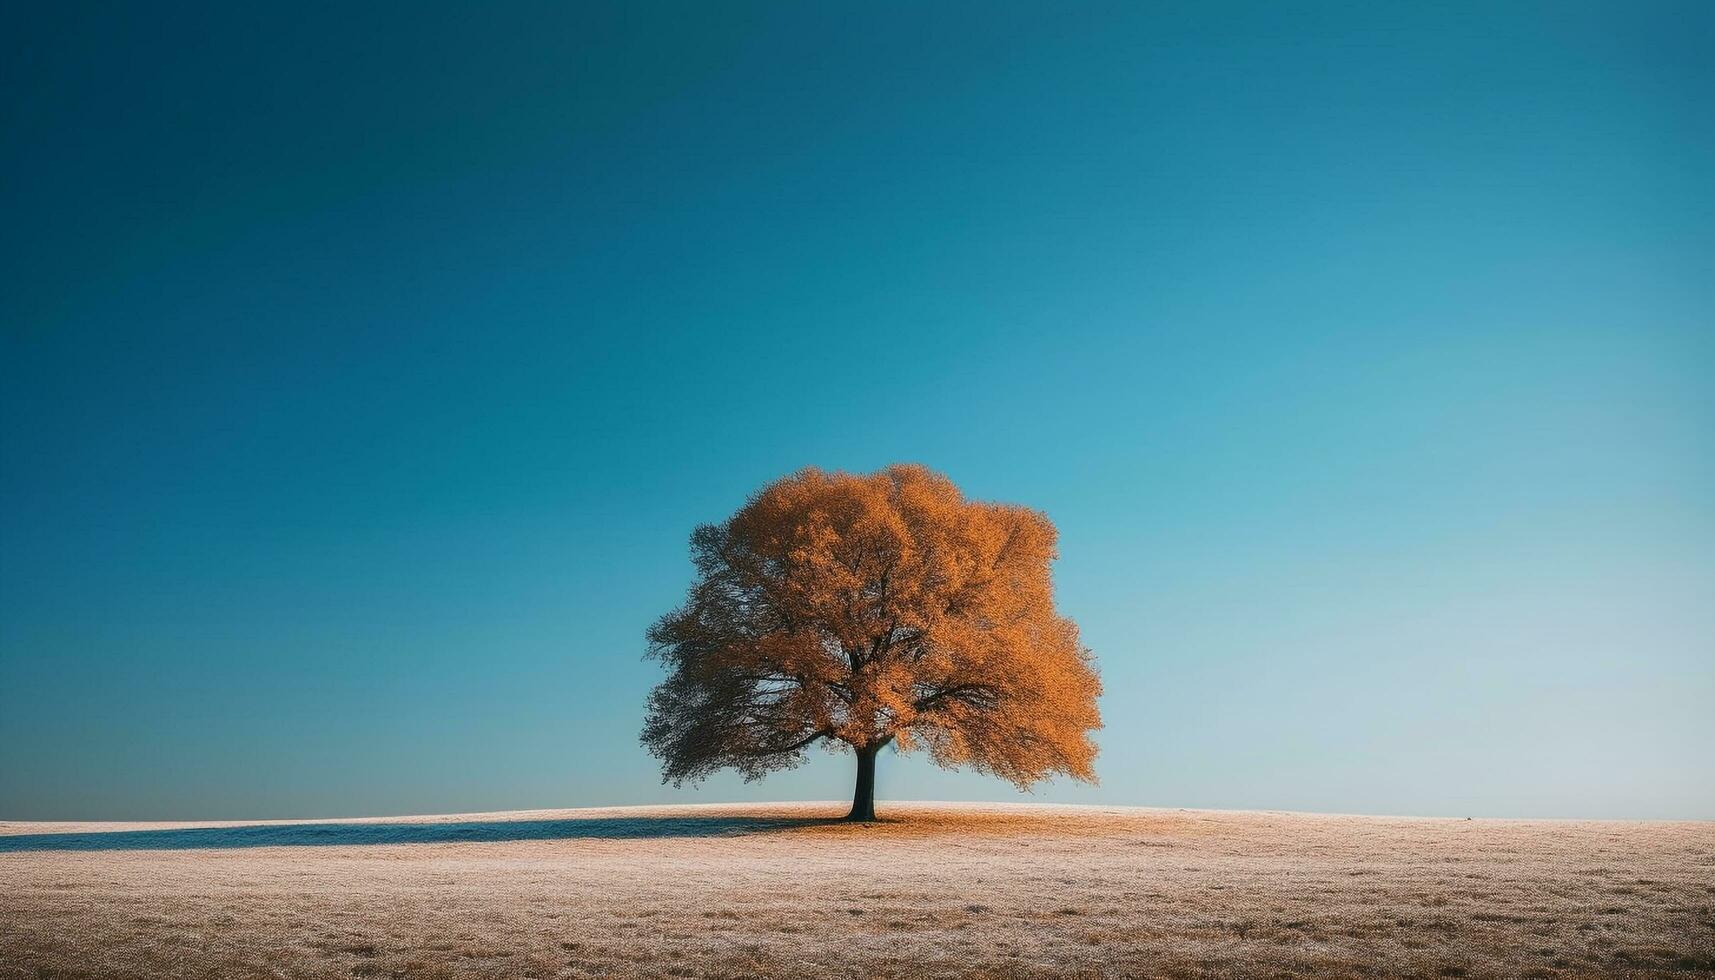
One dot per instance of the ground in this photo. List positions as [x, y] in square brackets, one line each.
[935, 890]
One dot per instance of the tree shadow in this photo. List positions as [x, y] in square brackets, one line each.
[361, 834]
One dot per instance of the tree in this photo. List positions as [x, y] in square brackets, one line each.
[869, 610]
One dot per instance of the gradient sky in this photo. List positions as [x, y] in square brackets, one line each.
[365, 371]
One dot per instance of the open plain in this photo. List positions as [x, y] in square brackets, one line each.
[934, 890]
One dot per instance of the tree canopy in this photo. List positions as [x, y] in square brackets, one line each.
[867, 610]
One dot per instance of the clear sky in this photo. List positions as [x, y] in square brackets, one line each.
[365, 371]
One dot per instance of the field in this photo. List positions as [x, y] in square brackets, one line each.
[935, 890]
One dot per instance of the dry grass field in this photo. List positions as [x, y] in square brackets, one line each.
[935, 890]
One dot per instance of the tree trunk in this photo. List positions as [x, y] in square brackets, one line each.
[863, 800]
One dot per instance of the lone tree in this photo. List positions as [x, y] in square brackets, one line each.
[868, 610]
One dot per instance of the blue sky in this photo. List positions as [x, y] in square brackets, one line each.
[365, 371]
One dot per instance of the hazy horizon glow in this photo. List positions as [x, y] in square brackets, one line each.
[364, 374]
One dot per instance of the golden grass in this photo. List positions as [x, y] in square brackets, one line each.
[937, 890]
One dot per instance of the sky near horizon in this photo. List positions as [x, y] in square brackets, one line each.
[367, 368]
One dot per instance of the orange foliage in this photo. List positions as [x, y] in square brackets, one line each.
[869, 609]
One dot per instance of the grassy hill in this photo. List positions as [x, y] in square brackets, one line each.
[934, 890]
